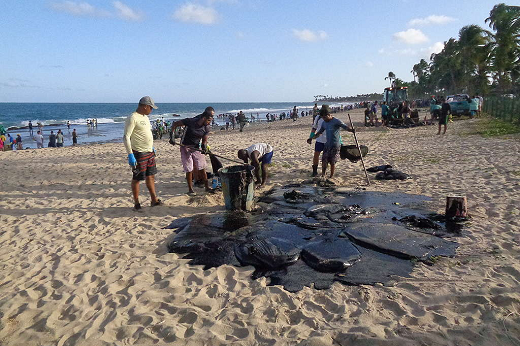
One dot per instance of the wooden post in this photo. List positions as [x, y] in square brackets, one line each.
[456, 206]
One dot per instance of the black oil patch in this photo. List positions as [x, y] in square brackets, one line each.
[312, 234]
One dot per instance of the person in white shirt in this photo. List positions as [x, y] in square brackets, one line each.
[319, 145]
[260, 155]
[39, 140]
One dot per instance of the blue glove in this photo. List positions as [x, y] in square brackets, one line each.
[131, 160]
[153, 149]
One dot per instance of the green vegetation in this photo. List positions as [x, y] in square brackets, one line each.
[491, 127]
[479, 61]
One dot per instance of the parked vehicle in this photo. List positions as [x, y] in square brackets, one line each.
[459, 104]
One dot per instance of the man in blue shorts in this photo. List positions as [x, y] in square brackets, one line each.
[260, 155]
[319, 145]
[331, 126]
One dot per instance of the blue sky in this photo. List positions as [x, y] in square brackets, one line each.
[218, 50]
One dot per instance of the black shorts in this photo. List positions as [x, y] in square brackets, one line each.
[443, 119]
[145, 165]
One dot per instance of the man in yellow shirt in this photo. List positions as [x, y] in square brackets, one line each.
[138, 140]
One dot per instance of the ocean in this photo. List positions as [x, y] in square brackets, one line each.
[15, 117]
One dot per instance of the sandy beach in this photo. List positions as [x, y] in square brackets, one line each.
[80, 267]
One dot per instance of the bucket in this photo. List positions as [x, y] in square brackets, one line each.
[238, 187]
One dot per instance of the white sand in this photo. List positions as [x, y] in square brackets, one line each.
[79, 267]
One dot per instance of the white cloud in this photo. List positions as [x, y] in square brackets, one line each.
[126, 12]
[197, 14]
[231, 2]
[411, 36]
[369, 64]
[78, 9]
[431, 20]
[436, 48]
[310, 36]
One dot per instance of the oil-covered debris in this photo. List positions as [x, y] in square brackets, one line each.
[309, 235]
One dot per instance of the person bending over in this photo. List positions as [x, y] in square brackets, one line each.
[260, 155]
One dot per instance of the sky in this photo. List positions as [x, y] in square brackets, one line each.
[218, 50]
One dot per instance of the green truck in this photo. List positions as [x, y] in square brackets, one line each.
[459, 104]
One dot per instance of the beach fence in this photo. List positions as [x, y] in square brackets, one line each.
[504, 108]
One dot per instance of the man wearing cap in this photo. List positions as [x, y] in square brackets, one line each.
[138, 140]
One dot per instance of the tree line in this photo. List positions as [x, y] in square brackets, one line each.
[480, 61]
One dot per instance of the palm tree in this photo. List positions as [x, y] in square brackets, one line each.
[391, 76]
[505, 21]
[474, 50]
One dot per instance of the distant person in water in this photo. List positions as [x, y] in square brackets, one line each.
[52, 140]
[260, 155]
[68, 125]
[138, 140]
[74, 137]
[59, 139]
[31, 133]
[19, 142]
[39, 140]
[331, 126]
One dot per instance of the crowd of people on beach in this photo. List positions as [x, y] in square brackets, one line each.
[55, 140]
[406, 114]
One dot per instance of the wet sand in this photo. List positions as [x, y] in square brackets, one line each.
[79, 267]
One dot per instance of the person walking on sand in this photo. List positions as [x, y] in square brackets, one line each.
[319, 145]
[138, 140]
[195, 137]
[331, 126]
[443, 118]
[241, 118]
[260, 155]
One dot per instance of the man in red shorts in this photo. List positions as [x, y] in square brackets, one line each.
[138, 140]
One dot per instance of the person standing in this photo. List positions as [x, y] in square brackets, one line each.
[241, 118]
[314, 112]
[194, 145]
[68, 125]
[31, 133]
[19, 142]
[59, 139]
[384, 113]
[138, 141]
[319, 145]
[443, 118]
[52, 140]
[39, 140]
[294, 113]
[260, 155]
[331, 127]
[74, 137]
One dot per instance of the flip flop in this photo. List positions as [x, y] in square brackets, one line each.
[137, 206]
[191, 193]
